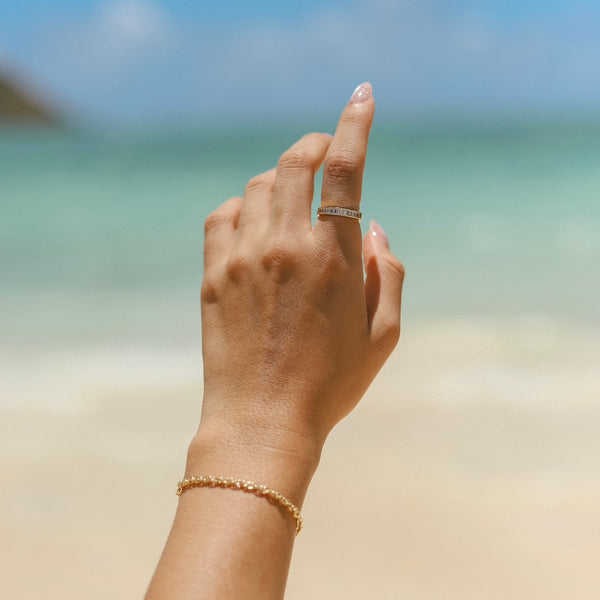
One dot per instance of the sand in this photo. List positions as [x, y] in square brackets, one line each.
[471, 470]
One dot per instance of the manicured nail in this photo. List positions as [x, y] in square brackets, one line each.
[376, 230]
[362, 93]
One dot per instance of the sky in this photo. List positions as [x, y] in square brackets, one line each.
[146, 60]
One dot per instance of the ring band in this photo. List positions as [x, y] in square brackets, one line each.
[339, 211]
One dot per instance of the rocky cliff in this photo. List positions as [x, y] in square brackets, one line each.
[19, 106]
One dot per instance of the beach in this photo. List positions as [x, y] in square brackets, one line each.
[471, 469]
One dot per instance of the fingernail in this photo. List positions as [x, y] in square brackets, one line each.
[362, 93]
[376, 230]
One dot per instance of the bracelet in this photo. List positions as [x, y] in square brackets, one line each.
[245, 486]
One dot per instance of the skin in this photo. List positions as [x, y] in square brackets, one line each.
[296, 322]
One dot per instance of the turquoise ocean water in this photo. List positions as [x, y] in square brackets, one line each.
[101, 232]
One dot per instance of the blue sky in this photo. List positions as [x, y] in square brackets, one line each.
[123, 60]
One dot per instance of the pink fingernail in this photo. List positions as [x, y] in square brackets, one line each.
[376, 230]
[362, 93]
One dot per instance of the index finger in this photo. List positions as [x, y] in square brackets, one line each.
[345, 159]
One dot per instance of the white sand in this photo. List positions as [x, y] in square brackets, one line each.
[470, 470]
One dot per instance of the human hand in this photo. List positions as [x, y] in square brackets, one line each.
[293, 332]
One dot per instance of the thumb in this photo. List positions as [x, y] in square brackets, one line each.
[383, 288]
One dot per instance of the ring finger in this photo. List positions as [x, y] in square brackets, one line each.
[345, 161]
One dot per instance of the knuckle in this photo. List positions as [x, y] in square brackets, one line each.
[391, 334]
[397, 267]
[353, 119]
[331, 266]
[294, 160]
[342, 166]
[314, 135]
[237, 266]
[258, 183]
[280, 260]
[223, 215]
[214, 221]
[209, 291]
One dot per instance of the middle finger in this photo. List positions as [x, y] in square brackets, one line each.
[295, 180]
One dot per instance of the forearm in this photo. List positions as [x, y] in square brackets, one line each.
[228, 543]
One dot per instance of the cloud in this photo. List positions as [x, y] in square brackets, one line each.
[117, 37]
[133, 21]
[423, 56]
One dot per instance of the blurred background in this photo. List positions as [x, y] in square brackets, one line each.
[472, 467]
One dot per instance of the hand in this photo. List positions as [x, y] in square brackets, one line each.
[293, 333]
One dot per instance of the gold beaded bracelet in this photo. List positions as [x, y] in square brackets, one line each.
[245, 486]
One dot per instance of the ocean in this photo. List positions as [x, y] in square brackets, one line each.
[97, 227]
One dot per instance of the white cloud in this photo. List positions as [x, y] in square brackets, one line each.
[133, 22]
[120, 36]
[422, 55]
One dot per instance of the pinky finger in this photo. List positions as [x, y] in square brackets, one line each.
[383, 289]
[220, 230]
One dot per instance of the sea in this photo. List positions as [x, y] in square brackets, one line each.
[101, 229]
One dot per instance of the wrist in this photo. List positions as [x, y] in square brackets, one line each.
[280, 459]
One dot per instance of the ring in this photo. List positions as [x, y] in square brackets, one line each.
[339, 211]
